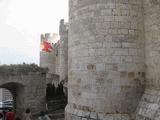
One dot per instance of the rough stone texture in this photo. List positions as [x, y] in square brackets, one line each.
[48, 59]
[75, 114]
[57, 50]
[152, 42]
[29, 82]
[52, 79]
[56, 60]
[63, 31]
[106, 58]
[63, 51]
[51, 59]
[149, 107]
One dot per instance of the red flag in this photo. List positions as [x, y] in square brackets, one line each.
[46, 46]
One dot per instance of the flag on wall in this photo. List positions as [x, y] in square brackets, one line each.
[46, 46]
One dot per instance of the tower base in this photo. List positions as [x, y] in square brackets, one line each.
[74, 114]
[149, 106]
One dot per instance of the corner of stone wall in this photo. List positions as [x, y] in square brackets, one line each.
[149, 106]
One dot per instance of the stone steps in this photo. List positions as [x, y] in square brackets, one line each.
[56, 107]
[57, 101]
[57, 115]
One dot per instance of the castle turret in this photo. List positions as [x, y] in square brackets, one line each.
[106, 59]
[63, 50]
[63, 53]
[47, 53]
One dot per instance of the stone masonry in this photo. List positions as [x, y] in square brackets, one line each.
[113, 60]
[56, 60]
[48, 59]
[27, 83]
[149, 106]
[63, 53]
[63, 50]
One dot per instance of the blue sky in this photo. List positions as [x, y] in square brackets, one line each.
[22, 22]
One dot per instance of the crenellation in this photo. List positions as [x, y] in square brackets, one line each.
[29, 69]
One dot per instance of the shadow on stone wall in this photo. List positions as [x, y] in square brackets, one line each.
[52, 91]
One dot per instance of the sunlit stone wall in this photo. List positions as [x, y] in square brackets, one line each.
[63, 50]
[106, 59]
[150, 102]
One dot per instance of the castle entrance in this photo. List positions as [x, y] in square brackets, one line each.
[11, 95]
[27, 84]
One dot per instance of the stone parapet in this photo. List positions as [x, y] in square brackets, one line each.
[29, 83]
[21, 69]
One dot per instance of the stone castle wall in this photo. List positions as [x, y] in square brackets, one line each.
[52, 79]
[63, 51]
[48, 59]
[113, 61]
[57, 59]
[28, 82]
[106, 59]
[148, 108]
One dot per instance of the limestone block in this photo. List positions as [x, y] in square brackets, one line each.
[84, 119]
[74, 117]
[93, 115]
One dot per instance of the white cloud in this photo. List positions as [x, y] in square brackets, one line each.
[36, 16]
[22, 21]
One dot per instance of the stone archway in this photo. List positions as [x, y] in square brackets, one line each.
[29, 84]
[17, 91]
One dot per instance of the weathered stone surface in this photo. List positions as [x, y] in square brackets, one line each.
[95, 116]
[63, 52]
[24, 69]
[48, 57]
[29, 82]
[149, 105]
[107, 40]
[106, 53]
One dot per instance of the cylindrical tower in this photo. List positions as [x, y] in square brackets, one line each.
[149, 105]
[106, 59]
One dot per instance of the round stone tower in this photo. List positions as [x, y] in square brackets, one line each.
[106, 59]
[150, 102]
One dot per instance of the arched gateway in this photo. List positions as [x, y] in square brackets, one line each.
[27, 83]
